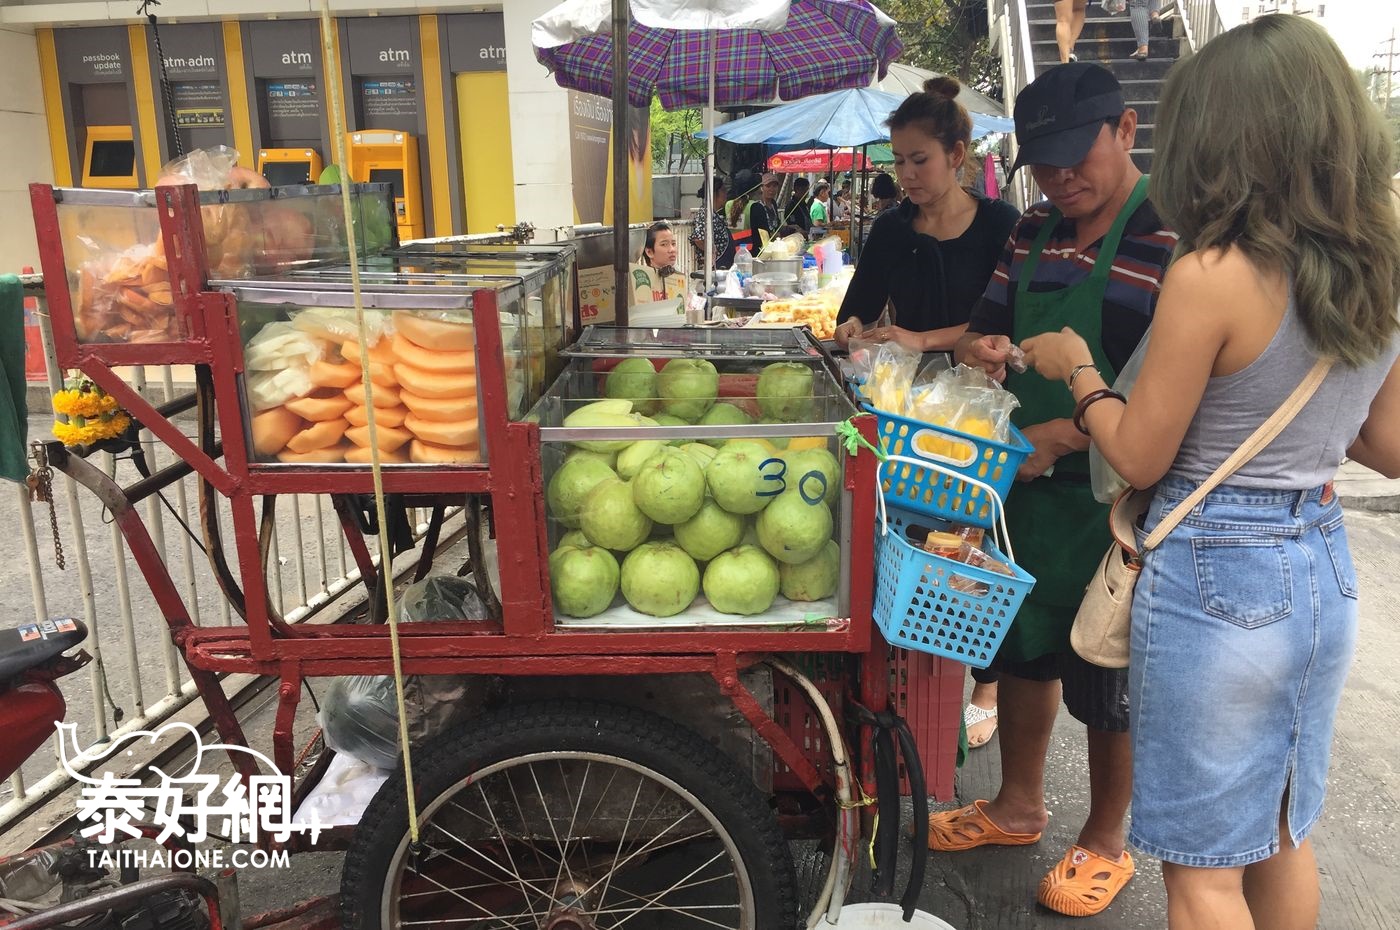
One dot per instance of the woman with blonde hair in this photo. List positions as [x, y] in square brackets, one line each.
[1244, 617]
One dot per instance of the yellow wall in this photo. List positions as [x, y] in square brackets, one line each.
[146, 116]
[238, 96]
[483, 120]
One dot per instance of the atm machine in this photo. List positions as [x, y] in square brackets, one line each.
[109, 158]
[283, 167]
[385, 155]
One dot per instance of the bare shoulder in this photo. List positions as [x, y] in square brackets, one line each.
[1202, 284]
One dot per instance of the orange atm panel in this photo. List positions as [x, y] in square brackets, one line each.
[384, 155]
[282, 167]
[109, 158]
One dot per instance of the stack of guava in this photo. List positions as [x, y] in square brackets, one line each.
[744, 520]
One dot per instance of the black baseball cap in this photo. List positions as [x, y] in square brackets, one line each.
[1058, 115]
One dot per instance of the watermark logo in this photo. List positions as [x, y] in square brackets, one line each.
[190, 807]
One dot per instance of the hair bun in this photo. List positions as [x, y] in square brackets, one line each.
[942, 86]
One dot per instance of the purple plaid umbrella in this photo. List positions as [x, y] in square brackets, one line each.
[820, 46]
[715, 53]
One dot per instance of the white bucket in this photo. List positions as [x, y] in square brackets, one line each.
[885, 917]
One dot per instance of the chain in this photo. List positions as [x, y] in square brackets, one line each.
[40, 483]
[165, 93]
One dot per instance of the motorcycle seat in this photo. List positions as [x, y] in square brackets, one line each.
[32, 644]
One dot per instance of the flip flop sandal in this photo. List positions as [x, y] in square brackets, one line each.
[970, 827]
[1082, 883]
[972, 716]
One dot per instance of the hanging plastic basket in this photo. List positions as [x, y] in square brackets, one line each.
[937, 605]
[969, 466]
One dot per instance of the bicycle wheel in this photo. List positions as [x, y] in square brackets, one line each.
[571, 816]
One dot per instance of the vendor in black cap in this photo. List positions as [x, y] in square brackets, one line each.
[1090, 258]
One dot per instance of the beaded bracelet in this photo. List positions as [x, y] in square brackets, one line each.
[1090, 399]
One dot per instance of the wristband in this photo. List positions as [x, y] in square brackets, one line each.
[1089, 400]
[1074, 373]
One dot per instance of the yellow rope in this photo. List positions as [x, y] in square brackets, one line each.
[376, 466]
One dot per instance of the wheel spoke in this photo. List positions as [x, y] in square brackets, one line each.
[652, 900]
[491, 812]
[487, 859]
[549, 819]
[621, 840]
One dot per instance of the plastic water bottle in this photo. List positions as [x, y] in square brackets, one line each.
[743, 261]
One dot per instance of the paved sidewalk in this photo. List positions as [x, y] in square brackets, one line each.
[1362, 489]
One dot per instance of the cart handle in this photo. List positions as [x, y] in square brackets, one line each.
[1003, 538]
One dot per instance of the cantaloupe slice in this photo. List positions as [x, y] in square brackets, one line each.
[334, 374]
[429, 454]
[433, 383]
[358, 415]
[322, 404]
[441, 409]
[382, 374]
[384, 395]
[326, 456]
[319, 435]
[442, 432]
[390, 438]
[432, 359]
[358, 456]
[381, 351]
[272, 428]
[434, 334]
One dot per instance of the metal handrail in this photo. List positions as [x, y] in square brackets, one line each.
[1201, 19]
[1010, 22]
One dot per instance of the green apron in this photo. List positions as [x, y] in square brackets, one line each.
[1059, 531]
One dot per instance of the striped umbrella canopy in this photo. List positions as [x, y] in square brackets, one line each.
[752, 50]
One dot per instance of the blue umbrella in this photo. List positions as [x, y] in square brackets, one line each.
[840, 119]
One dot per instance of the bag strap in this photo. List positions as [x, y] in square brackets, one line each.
[1251, 447]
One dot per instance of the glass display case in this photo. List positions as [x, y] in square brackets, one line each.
[115, 260]
[694, 478]
[305, 400]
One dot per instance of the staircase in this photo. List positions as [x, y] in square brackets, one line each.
[1108, 40]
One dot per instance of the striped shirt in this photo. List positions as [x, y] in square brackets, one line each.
[1133, 285]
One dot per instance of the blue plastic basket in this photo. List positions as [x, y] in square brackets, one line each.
[933, 604]
[942, 492]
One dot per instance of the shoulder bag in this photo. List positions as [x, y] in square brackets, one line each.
[1101, 630]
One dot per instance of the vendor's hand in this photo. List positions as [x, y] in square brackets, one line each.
[848, 330]
[989, 353]
[905, 337]
[1054, 355]
[1049, 446]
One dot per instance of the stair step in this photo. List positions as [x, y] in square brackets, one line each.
[1125, 69]
[1107, 29]
[1105, 49]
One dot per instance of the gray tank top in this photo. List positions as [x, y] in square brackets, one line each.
[1309, 450]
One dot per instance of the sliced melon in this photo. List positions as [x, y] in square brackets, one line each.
[432, 359]
[334, 375]
[434, 334]
[431, 454]
[442, 409]
[360, 456]
[319, 435]
[426, 383]
[335, 453]
[323, 404]
[272, 428]
[381, 351]
[443, 432]
[390, 438]
[384, 395]
[382, 374]
[358, 415]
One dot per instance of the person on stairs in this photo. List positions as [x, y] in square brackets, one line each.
[1143, 14]
[1091, 259]
[1069, 23]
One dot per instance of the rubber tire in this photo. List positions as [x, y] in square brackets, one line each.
[655, 742]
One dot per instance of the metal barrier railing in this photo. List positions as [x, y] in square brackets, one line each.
[1011, 24]
[1201, 19]
[137, 678]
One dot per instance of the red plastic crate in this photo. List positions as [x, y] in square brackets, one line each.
[925, 690]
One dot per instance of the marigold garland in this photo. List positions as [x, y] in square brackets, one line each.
[93, 414]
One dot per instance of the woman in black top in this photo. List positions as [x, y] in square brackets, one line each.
[931, 256]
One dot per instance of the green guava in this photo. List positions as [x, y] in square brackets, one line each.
[711, 531]
[741, 581]
[574, 538]
[815, 578]
[659, 579]
[584, 581]
[785, 392]
[634, 379]
[631, 459]
[688, 387]
[722, 414]
[791, 529]
[825, 483]
[736, 480]
[670, 487]
[610, 517]
[570, 486]
[702, 453]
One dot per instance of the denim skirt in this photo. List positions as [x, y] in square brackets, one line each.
[1244, 621]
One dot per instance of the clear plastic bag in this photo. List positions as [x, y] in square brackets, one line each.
[359, 715]
[892, 376]
[1107, 483]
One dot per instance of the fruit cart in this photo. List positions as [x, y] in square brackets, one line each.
[640, 739]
